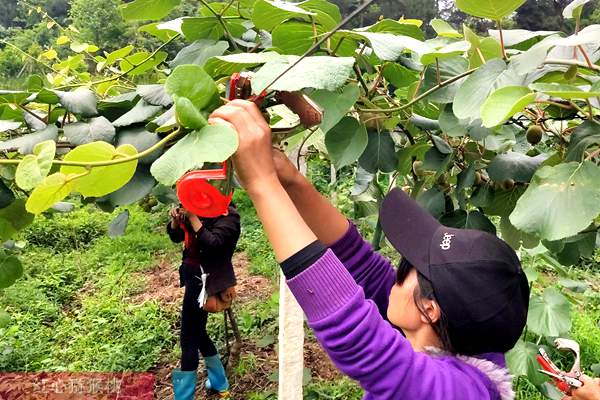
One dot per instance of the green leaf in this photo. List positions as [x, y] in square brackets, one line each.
[440, 144]
[5, 319]
[433, 201]
[346, 141]
[476, 89]
[136, 189]
[521, 361]
[6, 195]
[560, 201]
[295, 37]
[503, 202]
[549, 314]
[516, 166]
[398, 75]
[141, 62]
[449, 51]
[193, 82]
[584, 136]
[35, 167]
[268, 14]
[573, 286]
[516, 238]
[574, 9]
[86, 132]
[141, 112]
[214, 143]
[10, 270]
[491, 9]
[328, 14]
[514, 37]
[504, 103]
[231, 63]
[443, 28]
[79, 102]
[101, 180]
[118, 225]
[317, 72]
[155, 95]
[406, 155]
[13, 96]
[188, 115]
[563, 90]
[26, 143]
[335, 103]
[142, 140]
[148, 9]
[468, 220]
[16, 215]
[196, 28]
[402, 28]
[387, 46]
[380, 154]
[53, 189]
[199, 52]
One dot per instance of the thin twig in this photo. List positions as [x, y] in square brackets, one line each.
[302, 145]
[32, 113]
[595, 153]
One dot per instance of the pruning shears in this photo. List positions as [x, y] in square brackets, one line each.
[207, 193]
[564, 381]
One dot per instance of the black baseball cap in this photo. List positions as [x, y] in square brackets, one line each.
[477, 278]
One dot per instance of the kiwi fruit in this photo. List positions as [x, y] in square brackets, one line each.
[417, 168]
[507, 184]
[535, 134]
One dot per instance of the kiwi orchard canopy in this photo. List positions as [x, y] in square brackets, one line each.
[494, 131]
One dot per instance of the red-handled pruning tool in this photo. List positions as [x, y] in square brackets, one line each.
[564, 381]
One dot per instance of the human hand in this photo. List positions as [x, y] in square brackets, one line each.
[589, 391]
[286, 170]
[253, 159]
[176, 217]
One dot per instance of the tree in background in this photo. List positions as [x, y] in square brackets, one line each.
[547, 15]
[99, 22]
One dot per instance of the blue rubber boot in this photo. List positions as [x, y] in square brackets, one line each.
[217, 380]
[184, 384]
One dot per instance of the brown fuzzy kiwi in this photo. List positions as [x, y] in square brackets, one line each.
[535, 134]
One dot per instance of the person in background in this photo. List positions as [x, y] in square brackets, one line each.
[436, 328]
[207, 274]
[589, 391]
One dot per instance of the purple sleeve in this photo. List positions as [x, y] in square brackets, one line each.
[368, 349]
[368, 268]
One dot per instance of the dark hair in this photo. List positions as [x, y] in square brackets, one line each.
[425, 291]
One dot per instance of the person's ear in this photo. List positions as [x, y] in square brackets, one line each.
[432, 312]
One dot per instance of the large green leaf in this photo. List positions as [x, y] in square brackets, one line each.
[53, 189]
[268, 14]
[211, 144]
[13, 96]
[516, 238]
[433, 201]
[318, 72]
[16, 215]
[563, 90]
[26, 143]
[295, 37]
[148, 9]
[101, 180]
[448, 51]
[521, 361]
[491, 9]
[560, 201]
[476, 89]
[380, 154]
[231, 63]
[574, 9]
[584, 136]
[193, 82]
[140, 113]
[468, 220]
[10, 270]
[35, 167]
[188, 115]
[516, 166]
[199, 52]
[504, 103]
[6, 195]
[387, 46]
[443, 28]
[141, 139]
[549, 314]
[91, 131]
[136, 189]
[81, 101]
[335, 104]
[401, 27]
[155, 95]
[346, 141]
[196, 28]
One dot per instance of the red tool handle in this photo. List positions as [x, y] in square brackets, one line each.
[560, 385]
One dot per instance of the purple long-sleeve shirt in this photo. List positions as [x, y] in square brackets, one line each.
[345, 296]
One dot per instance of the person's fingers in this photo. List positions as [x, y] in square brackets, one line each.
[567, 398]
[235, 115]
[220, 121]
[252, 109]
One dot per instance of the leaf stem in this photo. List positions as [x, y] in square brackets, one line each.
[424, 95]
[557, 61]
[93, 164]
[502, 40]
[220, 19]
[32, 113]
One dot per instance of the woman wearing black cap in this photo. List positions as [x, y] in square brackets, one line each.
[460, 296]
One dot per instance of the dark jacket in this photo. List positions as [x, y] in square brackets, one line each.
[212, 247]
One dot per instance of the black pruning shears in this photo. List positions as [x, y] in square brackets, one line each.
[564, 381]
